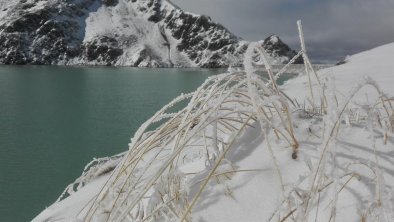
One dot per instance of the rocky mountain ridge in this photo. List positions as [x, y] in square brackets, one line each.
[142, 33]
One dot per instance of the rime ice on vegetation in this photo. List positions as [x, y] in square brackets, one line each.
[246, 149]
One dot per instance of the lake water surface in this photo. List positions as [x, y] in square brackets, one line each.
[54, 120]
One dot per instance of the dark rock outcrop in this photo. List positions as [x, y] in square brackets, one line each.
[276, 47]
[103, 49]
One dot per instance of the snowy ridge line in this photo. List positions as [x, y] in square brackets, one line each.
[242, 144]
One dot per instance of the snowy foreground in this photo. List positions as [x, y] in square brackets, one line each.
[244, 149]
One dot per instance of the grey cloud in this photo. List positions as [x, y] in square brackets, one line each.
[333, 28]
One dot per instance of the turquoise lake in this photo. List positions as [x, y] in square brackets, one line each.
[54, 120]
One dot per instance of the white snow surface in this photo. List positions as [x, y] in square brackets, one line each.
[254, 193]
[377, 63]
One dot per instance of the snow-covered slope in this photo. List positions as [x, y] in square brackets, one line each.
[147, 33]
[377, 63]
[342, 170]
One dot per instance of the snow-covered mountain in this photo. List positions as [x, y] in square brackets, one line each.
[144, 33]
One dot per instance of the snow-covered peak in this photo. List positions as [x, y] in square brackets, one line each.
[274, 39]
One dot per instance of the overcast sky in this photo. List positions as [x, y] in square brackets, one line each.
[333, 28]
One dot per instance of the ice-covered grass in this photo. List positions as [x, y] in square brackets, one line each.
[241, 148]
